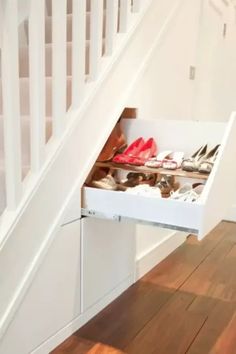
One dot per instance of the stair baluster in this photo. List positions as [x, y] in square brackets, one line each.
[79, 51]
[11, 105]
[136, 5]
[124, 15]
[111, 25]
[96, 28]
[37, 84]
[59, 61]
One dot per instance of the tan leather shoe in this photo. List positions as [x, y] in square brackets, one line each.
[115, 143]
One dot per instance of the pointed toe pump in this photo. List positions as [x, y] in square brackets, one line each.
[207, 163]
[131, 151]
[192, 164]
[148, 150]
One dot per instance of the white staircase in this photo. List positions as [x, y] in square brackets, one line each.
[55, 73]
[60, 97]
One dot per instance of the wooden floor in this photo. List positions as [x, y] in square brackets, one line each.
[187, 304]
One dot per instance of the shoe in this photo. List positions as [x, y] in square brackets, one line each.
[192, 164]
[174, 161]
[156, 162]
[133, 179]
[208, 162]
[107, 183]
[131, 151]
[148, 150]
[194, 195]
[187, 193]
[115, 143]
[181, 192]
[165, 187]
[145, 190]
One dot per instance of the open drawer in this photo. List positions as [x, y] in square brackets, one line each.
[198, 218]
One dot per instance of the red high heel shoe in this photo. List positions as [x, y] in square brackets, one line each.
[131, 151]
[148, 150]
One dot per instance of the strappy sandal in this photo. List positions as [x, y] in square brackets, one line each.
[208, 162]
[156, 162]
[192, 164]
[188, 193]
[174, 161]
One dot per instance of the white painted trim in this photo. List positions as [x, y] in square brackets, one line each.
[158, 253]
[78, 322]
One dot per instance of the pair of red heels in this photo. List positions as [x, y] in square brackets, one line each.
[138, 152]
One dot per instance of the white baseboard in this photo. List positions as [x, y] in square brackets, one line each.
[79, 321]
[158, 253]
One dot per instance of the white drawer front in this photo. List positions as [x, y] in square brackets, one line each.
[162, 212]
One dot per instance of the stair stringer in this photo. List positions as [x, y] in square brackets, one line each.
[51, 204]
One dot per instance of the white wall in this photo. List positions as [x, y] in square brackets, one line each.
[166, 91]
[215, 96]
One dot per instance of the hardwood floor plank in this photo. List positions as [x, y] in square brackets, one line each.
[204, 305]
[104, 349]
[214, 335]
[170, 330]
[76, 345]
[120, 322]
[226, 342]
[178, 267]
[214, 277]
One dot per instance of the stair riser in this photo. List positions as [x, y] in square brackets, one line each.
[25, 138]
[24, 97]
[24, 60]
[48, 28]
[69, 6]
